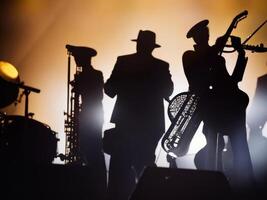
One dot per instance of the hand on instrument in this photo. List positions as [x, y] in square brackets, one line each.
[236, 43]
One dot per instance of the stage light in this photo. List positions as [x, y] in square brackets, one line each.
[8, 72]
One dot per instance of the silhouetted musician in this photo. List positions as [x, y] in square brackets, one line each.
[257, 115]
[223, 104]
[141, 82]
[89, 83]
[256, 119]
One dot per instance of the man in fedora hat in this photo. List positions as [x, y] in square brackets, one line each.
[88, 84]
[141, 82]
[223, 104]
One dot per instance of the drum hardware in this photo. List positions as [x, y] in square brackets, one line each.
[23, 140]
[27, 141]
[9, 87]
[26, 92]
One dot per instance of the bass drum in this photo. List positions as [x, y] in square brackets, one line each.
[27, 141]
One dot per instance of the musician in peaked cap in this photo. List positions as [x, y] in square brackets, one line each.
[89, 83]
[223, 104]
[141, 82]
[81, 54]
[198, 29]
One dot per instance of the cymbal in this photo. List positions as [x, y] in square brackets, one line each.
[9, 78]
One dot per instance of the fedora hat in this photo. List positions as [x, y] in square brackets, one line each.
[147, 37]
[79, 51]
[197, 28]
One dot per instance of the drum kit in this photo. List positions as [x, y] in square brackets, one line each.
[23, 140]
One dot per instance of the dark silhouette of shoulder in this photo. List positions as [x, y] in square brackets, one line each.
[139, 64]
[189, 53]
[188, 57]
[99, 74]
[162, 62]
[135, 57]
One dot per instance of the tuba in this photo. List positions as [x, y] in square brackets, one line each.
[184, 109]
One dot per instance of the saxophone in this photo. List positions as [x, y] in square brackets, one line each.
[71, 128]
[72, 147]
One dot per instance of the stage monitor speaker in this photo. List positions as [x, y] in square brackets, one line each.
[177, 184]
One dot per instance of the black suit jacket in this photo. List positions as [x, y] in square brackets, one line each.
[141, 84]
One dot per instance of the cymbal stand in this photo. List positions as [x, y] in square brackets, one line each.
[26, 92]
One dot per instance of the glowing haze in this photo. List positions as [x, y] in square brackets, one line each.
[34, 34]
